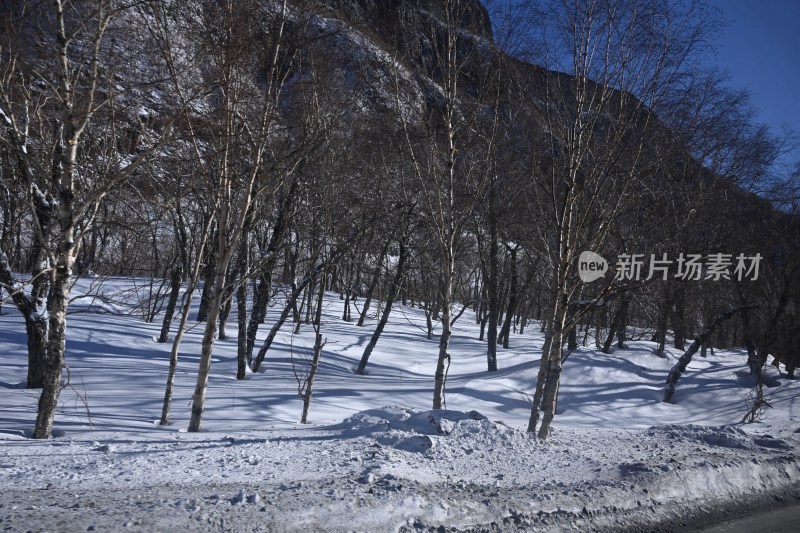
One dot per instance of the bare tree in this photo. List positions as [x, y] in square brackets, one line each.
[237, 166]
[448, 167]
[596, 153]
[68, 91]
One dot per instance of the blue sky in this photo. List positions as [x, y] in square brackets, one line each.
[761, 49]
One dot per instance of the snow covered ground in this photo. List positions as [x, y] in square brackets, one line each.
[374, 457]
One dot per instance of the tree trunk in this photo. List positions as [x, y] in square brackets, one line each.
[505, 332]
[185, 308]
[209, 333]
[541, 379]
[394, 291]
[36, 328]
[206, 294]
[617, 324]
[493, 286]
[310, 301]
[376, 276]
[297, 311]
[241, 324]
[291, 304]
[346, 291]
[243, 270]
[224, 313]
[57, 302]
[318, 345]
[443, 360]
[428, 321]
[661, 325]
[679, 320]
[552, 383]
[572, 339]
[258, 312]
[753, 361]
[677, 370]
[553, 344]
[622, 326]
[483, 318]
[58, 298]
[175, 290]
[173, 359]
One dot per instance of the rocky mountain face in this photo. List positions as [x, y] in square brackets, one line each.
[389, 19]
[386, 46]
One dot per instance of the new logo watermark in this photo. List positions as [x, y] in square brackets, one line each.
[591, 267]
[687, 267]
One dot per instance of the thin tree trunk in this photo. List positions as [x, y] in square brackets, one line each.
[679, 320]
[443, 360]
[616, 323]
[36, 329]
[319, 344]
[173, 359]
[243, 269]
[541, 379]
[58, 297]
[483, 318]
[209, 332]
[661, 326]
[428, 321]
[551, 338]
[176, 343]
[309, 303]
[376, 276]
[552, 383]
[259, 311]
[346, 310]
[241, 323]
[394, 291]
[677, 370]
[505, 332]
[492, 290]
[175, 290]
[572, 339]
[206, 295]
[622, 327]
[224, 313]
[290, 305]
[753, 361]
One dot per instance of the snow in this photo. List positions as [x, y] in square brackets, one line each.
[5, 117]
[376, 458]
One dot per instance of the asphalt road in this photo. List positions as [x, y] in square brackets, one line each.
[781, 520]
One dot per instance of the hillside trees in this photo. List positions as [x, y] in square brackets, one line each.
[449, 150]
[595, 155]
[412, 159]
[250, 70]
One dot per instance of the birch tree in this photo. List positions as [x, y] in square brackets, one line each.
[622, 58]
[52, 97]
[447, 156]
[235, 170]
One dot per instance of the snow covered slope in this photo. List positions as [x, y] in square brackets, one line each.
[374, 458]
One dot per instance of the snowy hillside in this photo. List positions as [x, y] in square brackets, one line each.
[375, 458]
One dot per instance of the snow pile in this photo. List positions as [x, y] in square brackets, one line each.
[434, 422]
[721, 436]
[404, 429]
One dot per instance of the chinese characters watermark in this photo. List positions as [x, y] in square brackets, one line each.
[687, 267]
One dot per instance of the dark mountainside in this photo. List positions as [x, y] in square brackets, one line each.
[228, 168]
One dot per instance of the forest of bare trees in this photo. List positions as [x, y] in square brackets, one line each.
[252, 155]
